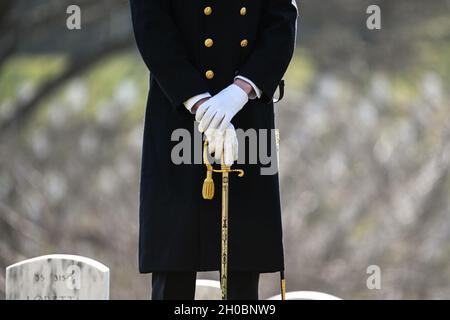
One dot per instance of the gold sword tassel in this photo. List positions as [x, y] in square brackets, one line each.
[208, 184]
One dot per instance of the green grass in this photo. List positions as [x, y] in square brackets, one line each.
[101, 82]
[301, 70]
[27, 69]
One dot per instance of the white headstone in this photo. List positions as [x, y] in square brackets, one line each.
[306, 295]
[57, 277]
[207, 290]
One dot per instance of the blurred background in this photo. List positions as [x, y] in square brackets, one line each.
[365, 145]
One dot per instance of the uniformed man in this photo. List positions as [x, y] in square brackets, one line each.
[218, 62]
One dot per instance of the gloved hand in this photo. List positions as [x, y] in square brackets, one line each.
[217, 112]
[223, 142]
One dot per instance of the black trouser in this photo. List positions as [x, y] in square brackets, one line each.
[181, 285]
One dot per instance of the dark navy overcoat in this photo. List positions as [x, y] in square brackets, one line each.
[179, 230]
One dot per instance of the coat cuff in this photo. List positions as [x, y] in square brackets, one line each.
[192, 101]
[257, 92]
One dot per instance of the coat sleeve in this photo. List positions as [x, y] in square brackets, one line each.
[273, 48]
[162, 50]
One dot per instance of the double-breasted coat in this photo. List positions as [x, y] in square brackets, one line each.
[192, 47]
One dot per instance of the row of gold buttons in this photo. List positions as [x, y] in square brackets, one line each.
[243, 12]
[210, 42]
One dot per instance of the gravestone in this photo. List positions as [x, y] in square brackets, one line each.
[57, 277]
[207, 290]
[306, 295]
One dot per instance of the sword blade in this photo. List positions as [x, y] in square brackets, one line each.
[224, 253]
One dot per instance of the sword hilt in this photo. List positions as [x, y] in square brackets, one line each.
[208, 184]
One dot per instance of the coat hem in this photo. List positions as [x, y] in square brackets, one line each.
[209, 269]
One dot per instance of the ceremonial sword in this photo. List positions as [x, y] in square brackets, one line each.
[208, 194]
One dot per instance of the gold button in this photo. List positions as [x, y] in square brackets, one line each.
[209, 43]
[207, 11]
[209, 74]
[244, 43]
[243, 11]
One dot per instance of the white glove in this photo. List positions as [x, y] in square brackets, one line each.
[217, 112]
[223, 142]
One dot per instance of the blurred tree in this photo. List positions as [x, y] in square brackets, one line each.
[40, 26]
[334, 31]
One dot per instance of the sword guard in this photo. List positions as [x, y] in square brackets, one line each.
[227, 169]
[208, 183]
